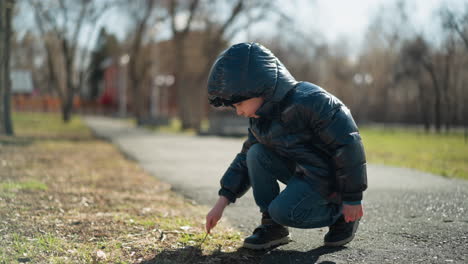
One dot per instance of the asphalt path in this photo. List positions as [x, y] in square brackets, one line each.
[410, 216]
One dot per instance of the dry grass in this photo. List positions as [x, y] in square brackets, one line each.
[66, 197]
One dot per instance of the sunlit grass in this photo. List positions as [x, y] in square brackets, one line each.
[443, 154]
[47, 124]
[27, 185]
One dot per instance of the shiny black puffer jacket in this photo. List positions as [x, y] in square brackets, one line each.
[298, 120]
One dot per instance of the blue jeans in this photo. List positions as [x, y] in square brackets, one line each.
[299, 204]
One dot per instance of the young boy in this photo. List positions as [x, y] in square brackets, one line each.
[299, 134]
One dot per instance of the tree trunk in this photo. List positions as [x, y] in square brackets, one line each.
[6, 10]
[67, 107]
[466, 134]
[185, 95]
[137, 73]
[447, 84]
[137, 87]
[424, 109]
[437, 93]
[437, 109]
[137, 84]
[139, 101]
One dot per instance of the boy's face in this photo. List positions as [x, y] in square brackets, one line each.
[247, 108]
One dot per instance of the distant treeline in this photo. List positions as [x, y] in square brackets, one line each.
[401, 75]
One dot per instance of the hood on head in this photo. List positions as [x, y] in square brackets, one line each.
[247, 70]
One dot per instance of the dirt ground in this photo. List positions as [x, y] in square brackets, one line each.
[70, 198]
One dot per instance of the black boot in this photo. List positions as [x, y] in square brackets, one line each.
[267, 235]
[340, 233]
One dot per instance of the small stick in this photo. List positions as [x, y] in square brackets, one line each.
[203, 241]
[192, 251]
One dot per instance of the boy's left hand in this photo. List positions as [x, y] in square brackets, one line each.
[352, 213]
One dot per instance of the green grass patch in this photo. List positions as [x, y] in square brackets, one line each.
[23, 248]
[172, 223]
[49, 243]
[442, 154]
[26, 185]
[47, 124]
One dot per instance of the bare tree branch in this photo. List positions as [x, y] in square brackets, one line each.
[234, 13]
[452, 22]
[172, 13]
[192, 11]
[64, 9]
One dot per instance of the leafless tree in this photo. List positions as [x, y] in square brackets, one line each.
[49, 47]
[145, 16]
[458, 23]
[184, 96]
[66, 20]
[413, 56]
[447, 66]
[6, 11]
[191, 92]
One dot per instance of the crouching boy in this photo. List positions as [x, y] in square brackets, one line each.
[300, 135]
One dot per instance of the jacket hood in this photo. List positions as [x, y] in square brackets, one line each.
[248, 70]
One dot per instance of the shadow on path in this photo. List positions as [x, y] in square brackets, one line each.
[194, 255]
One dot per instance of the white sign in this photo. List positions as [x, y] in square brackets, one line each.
[21, 81]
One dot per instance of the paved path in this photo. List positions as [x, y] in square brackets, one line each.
[411, 217]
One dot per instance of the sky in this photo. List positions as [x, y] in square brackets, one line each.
[346, 18]
[334, 20]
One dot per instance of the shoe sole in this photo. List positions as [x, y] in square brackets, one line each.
[344, 241]
[339, 243]
[281, 241]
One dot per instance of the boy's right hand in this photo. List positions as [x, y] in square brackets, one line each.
[216, 213]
